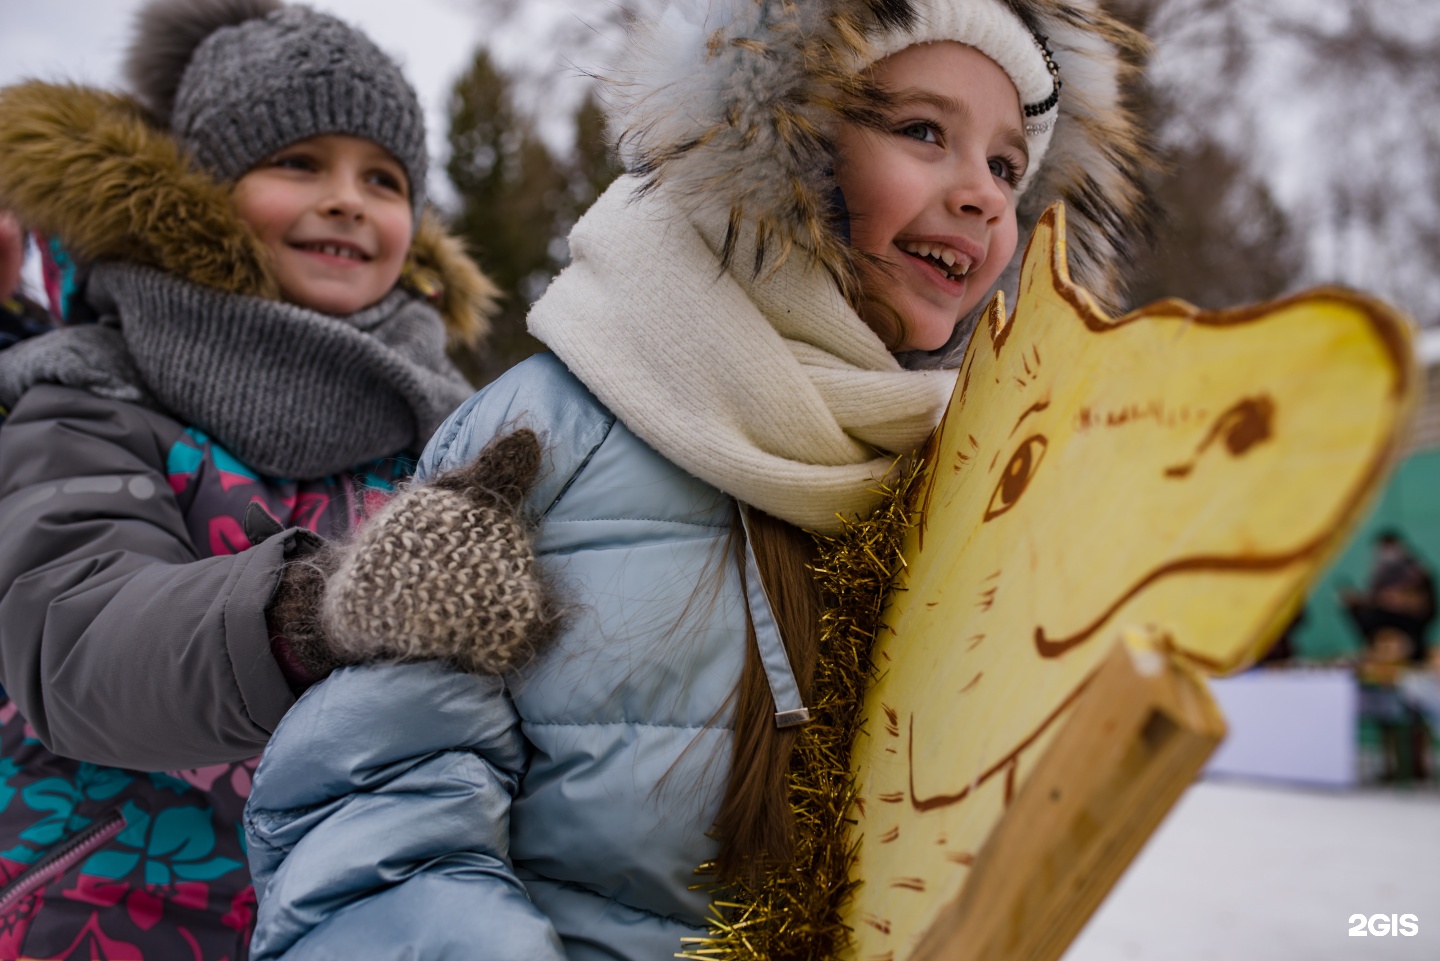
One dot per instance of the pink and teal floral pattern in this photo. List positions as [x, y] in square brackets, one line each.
[171, 882]
[214, 489]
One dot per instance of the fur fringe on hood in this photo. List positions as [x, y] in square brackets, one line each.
[732, 106]
[93, 169]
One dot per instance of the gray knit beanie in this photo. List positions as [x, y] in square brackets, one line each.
[238, 80]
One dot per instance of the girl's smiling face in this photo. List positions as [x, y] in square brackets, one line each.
[931, 197]
[334, 211]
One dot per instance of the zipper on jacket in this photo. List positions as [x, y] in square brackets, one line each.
[60, 860]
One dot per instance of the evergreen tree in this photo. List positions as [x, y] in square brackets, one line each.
[594, 164]
[517, 201]
[588, 171]
[1221, 238]
[511, 190]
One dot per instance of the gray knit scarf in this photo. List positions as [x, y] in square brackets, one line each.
[291, 392]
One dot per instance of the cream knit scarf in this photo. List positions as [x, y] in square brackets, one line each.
[772, 390]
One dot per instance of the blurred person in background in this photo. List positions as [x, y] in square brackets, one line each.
[1384, 668]
[21, 317]
[1399, 594]
[1393, 615]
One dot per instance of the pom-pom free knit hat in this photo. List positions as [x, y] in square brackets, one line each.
[237, 80]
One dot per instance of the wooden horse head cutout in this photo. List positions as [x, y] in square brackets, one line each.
[1176, 474]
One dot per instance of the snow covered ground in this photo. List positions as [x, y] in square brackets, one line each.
[1248, 872]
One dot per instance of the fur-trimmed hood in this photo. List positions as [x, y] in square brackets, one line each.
[732, 106]
[94, 169]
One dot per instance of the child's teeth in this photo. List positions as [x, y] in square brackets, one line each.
[335, 251]
[955, 265]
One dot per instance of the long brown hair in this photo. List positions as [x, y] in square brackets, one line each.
[755, 825]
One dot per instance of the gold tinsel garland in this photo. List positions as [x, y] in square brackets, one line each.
[792, 913]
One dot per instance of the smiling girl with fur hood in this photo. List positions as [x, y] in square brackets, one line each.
[757, 323]
[273, 305]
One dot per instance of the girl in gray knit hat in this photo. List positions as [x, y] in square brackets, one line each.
[273, 305]
[757, 324]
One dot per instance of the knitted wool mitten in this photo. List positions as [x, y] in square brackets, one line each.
[444, 571]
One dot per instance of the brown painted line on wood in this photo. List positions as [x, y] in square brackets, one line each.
[945, 800]
[1049, 648]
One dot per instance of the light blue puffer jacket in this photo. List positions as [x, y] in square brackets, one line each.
[378, 820]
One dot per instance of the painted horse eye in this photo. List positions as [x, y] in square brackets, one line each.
[1021, 467]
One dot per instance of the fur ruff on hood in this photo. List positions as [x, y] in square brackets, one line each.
[94, 169]
[732, 107]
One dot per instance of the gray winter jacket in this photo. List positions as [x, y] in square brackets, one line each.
[395, 781]
[110, 538]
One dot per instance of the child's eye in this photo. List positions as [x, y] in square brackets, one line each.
[1007, 169]
[293, 162]
[922, 130]
[388, 180]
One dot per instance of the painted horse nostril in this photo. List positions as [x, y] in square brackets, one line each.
[1248, 423]
[1244, 424]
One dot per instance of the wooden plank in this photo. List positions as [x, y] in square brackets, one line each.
[1134, 741]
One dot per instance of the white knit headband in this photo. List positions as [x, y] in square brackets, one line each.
[992, 28]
